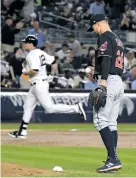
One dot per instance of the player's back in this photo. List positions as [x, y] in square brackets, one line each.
[37, 60]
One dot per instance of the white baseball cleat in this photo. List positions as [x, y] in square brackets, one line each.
[16, 134]
[82, 111]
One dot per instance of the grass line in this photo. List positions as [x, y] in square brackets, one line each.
[67, 127]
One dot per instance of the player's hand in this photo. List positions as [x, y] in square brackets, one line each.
[103, 83]
[24, 71]
[97, 97]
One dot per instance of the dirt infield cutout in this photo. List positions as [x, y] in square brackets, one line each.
[15, 170]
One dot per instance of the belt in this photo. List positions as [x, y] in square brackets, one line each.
[32, 84]
[95, 76]
[115, 74]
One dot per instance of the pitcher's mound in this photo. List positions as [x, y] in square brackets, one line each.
[15, 170]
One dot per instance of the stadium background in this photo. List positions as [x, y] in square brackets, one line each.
[60, 26]
[61, 30]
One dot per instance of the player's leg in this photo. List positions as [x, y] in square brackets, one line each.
[29, 105]
[46, 101]
[113, 121]
[101, 124]
[113, 118]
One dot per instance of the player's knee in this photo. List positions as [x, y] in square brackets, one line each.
[96, 125]
[28, 108]
[113, 127]
[28, 111]
[49, 109]
[100, 124]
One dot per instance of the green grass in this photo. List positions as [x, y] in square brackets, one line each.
[67, 127]
[76, 161]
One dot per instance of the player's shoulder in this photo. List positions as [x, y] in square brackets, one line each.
[111, 35]
[108, 36]
[33, 54]
[36, 51]
[115, 39]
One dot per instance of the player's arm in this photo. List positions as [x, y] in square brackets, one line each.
[106, 64]
[31, 72]
[50, 60]
[54, 62]
[105, 54]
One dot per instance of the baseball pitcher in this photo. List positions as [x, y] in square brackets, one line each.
[106, 98]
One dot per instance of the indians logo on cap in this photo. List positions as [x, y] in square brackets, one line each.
[104, 46]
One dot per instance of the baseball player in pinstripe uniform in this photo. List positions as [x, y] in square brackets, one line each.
[39, 90]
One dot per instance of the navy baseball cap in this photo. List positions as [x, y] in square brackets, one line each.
[31, 39]
[94, 19]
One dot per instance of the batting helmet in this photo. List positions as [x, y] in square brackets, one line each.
[31, 39]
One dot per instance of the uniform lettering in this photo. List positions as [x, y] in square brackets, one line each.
[118, 53]
[42, 58]
[119, 42]
[119, 60]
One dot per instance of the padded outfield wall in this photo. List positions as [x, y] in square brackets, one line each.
[12, 107]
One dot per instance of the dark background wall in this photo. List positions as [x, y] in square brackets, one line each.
[12, 107]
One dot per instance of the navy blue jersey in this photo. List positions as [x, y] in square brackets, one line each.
[111, 46]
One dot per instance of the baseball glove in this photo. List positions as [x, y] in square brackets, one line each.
[97, 97]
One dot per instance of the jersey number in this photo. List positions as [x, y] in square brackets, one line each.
[119, 60]
[42, 58]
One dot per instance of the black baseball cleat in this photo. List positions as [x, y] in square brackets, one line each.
[110, 165]
[82, 111]
[16, 134]
[107, 160]
[105, 163]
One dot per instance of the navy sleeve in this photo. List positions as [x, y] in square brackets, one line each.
[106, 64]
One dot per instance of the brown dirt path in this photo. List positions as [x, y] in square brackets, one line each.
[59, 138]
[15, 170]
